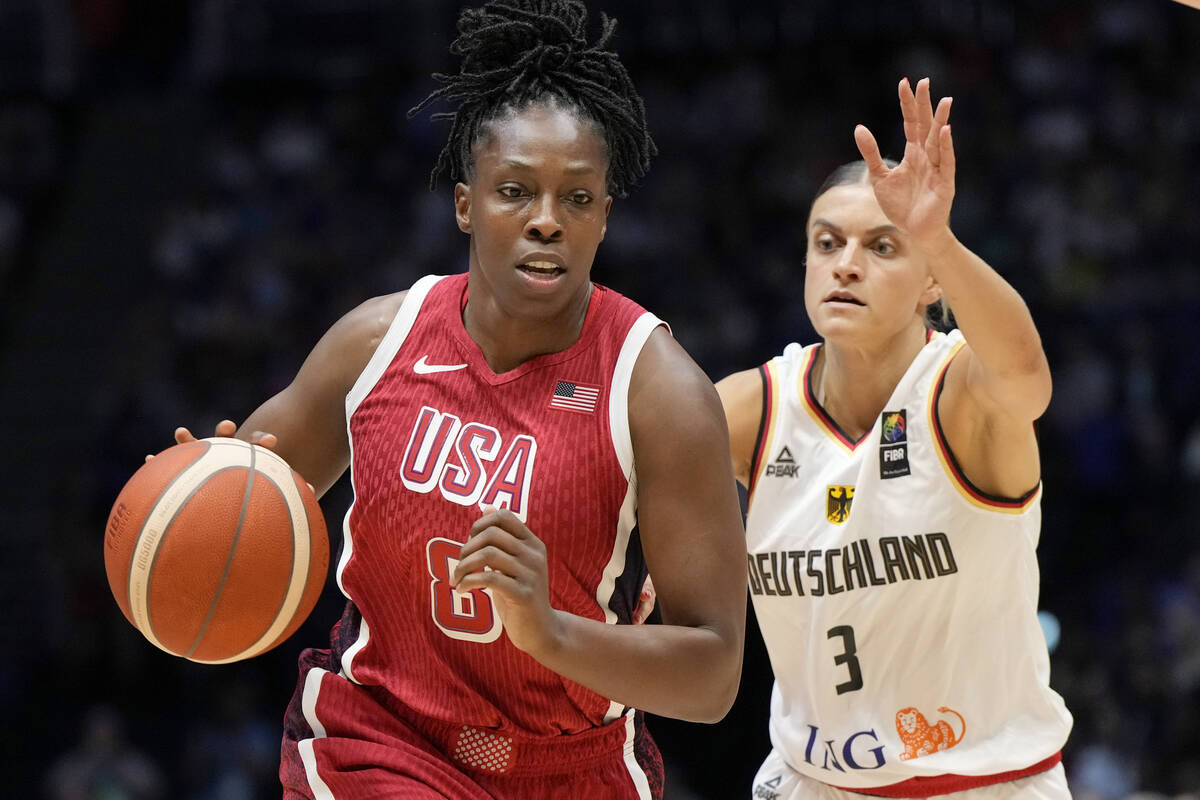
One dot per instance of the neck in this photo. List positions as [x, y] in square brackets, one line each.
[853, 383]
[508, 340]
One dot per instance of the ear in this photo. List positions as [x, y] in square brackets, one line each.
[462, 206]
[932, 292]
[607, 208]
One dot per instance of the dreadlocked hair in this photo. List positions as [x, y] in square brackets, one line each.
[519, 52]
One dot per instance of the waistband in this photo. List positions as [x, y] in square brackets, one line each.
[945, 784]
[495, 752]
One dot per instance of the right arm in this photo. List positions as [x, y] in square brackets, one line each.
[305, 423]
[689, 667]
[741, 396]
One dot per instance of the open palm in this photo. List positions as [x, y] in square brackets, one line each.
[917, 194]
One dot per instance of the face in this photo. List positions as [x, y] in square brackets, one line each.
[863, 281]
[536, 209]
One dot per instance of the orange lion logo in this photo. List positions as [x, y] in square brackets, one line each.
[920, 738]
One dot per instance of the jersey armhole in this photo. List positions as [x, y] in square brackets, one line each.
[973, 494]
[397, 332]
[618, 397]
[763, 433]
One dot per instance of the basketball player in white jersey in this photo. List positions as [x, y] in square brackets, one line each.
[894, 510]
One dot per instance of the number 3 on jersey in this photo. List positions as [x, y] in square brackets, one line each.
[848, 657]
[466, 616]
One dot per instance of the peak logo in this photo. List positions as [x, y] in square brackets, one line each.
[768, 790]
[784, 466]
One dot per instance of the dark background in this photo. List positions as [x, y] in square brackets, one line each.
[191, 192]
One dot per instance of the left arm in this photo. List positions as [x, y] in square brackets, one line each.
[690, 523]
[1000, 382]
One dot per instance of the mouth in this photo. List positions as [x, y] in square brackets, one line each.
[844, 298]
[541, 269]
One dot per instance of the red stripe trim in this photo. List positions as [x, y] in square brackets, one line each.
[764, 425]
[981, 497]
[822, 417]
[945, 784]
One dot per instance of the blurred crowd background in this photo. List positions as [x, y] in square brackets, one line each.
[192, 191]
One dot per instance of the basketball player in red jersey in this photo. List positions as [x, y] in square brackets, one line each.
[523, 444]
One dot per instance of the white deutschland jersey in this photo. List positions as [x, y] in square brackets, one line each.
[897, 601]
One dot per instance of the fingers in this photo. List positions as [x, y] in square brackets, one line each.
[942, 117]
[487, 561]
[500, 518]
[226, 428]
[908, 110]
[946, 152]
[182, 436]
[486, 579]
[498, 542]
[922, 123]
[933, 140]
[267, 440]
[924, 109]
[645, 602]
[869, 149]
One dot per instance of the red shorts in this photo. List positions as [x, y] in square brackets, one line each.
[340, 743]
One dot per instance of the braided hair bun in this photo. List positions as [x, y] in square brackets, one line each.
[515, 53]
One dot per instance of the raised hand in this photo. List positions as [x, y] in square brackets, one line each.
[917, 194]
[503, 555]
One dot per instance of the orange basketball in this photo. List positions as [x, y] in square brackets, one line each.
[216, 550]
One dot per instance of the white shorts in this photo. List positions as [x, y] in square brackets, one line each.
[777, 781]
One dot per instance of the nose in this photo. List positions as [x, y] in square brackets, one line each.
[544, 223]
[848, 266]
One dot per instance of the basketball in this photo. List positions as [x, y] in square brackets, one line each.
[216, 550]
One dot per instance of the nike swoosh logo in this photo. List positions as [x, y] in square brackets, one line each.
[424, 368]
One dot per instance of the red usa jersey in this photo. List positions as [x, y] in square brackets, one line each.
[435, 435]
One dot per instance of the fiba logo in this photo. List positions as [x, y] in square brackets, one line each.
[893, 447]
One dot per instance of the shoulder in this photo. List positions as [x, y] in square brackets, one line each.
[742, 399]
[668, 392]
[347, 347]
[663, 367]
[742, 393]
[362, 328]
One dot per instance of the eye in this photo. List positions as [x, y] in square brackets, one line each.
[885, 248]
[580, 198]
[510, 191]
[825, 242]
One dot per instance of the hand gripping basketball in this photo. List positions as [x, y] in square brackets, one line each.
[215, 549]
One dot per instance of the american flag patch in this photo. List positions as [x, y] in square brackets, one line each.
[572, 396]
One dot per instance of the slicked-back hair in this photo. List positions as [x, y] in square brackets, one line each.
[516, 53]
